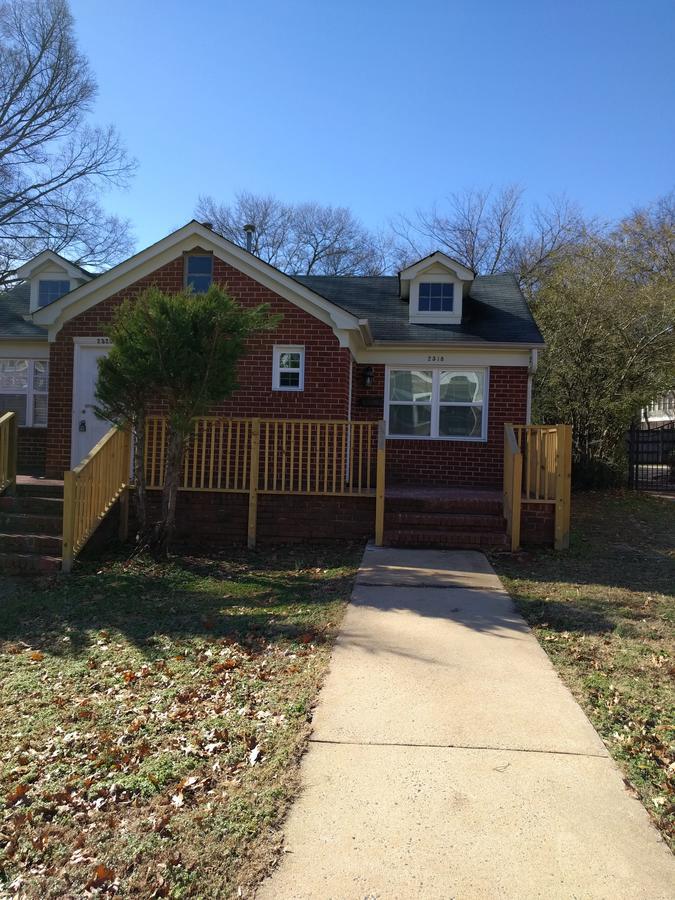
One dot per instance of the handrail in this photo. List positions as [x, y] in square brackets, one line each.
[91, 489]
[513, 476]
[8, 450]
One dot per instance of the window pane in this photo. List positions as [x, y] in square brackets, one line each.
[460, 421]
[200, 265]
[15, 403]
[40, 375]
[50, 290]
[425, 288]
[13, 374]
[289, 379]
[462, 387]
[415, 420]
[40, 409]
[289, 360]
[412, 385]
[199, 283]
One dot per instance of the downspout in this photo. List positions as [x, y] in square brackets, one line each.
[531, 369]
[349, 417]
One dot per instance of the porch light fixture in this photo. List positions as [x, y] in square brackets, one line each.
[368, 376]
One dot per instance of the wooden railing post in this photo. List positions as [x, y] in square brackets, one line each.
[12, 453]
[379, 484]
[563, 492]
[253, 483]
[69, 488]
[516, 498]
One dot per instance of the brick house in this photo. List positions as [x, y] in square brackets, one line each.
[444, 357]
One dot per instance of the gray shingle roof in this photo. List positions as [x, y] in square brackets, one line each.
[494, 312]
[14, 305]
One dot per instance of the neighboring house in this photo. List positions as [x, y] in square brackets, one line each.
[445, 357]
[660, 412]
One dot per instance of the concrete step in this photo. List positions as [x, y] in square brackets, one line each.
[443, 521]
[30, 523]
[28, 564]
[40, 505]
[451, 540]
[41, 544]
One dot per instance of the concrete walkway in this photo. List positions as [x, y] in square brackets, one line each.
[448, 760]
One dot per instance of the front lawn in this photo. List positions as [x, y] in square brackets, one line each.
[152, 717]
[605, 614]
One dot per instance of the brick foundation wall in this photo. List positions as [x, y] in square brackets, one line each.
[326, 364]
[216, 520]
[537, 523]
[32, 451]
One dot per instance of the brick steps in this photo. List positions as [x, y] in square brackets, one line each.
[31, 524]
[446, 519]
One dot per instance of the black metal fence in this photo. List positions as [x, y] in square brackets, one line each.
[651, 458]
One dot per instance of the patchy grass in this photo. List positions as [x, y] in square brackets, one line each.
[605, 614]
[152, 717]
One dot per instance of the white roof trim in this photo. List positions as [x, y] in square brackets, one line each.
[443, 259]
[48, 256]
[194, 234]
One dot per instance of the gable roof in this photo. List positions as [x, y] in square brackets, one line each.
[495, 311]
[14, 305]
[462, 272]
[46, 256]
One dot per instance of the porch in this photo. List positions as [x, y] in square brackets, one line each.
[277, 480]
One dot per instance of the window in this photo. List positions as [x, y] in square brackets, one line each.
[437, 403]
[23, 390]
[289, 369]
[199, 273]
[50, 290]
[436, 297]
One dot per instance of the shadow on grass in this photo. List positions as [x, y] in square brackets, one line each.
[251, 600]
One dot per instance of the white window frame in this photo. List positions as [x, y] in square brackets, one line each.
[30, 392]
[436, 404]
[427, 315]
[277, 370]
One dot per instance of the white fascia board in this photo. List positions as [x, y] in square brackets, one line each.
[443, 259]
[435, 354]
[164, 251]
[49, 257]
[15, 348]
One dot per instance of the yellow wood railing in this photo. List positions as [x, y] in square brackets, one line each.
[90, 490]
[8, 448]
[538, 468]
[274, 456]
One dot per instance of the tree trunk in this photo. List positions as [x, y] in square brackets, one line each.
[174, 460]
[140, 495]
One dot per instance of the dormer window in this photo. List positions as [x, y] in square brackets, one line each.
[50, 289]
[436, 297]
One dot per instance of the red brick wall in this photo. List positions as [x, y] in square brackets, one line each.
[326, 365]
[32, 451]
[451, 462]
[537, 523]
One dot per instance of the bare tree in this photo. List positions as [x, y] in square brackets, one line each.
[486, 230]
[301, 239]
[53, 166]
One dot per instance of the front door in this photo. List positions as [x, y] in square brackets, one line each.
[88, 429]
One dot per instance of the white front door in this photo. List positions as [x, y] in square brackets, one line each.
[88, 429]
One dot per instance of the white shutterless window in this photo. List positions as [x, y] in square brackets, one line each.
[441, 404]
[23, 390]
[288, 368]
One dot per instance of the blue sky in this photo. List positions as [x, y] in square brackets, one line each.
[384, 107]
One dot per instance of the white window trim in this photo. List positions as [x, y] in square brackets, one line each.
[30, 392]
[427, 315]
[276, 367]
[435, 402]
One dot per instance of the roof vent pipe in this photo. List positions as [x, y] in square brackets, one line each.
[249, 229]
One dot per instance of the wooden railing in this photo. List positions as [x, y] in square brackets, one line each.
[275, 456]
[538, 469]
[91, 488]
[8, 448]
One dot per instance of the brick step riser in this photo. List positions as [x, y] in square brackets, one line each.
[40, 544]
[20, 564]
[455, 541]
[50, 506]
[457, 507]
[40, 490]
[444, 521]
[25, 523]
